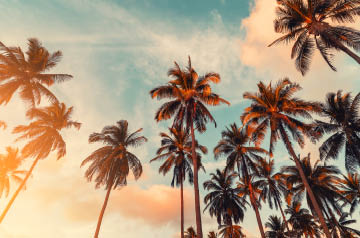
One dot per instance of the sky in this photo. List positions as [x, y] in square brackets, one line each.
[117, 52]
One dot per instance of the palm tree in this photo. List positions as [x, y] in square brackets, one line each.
[176, 151]
[190, 233]
[272, 187]
[307, 22]
[323, 181]
[3, 124]
[231, 231]
[234, 145]
[341, 227]
[276, 228]
[45, 137]
[222, 200]
[28, 75]
[302, 221]
[275, 108]
[250, 188]
[9, 164]
[344, 127]
[212, 234]
[350, 189]
[188, 94]
[110, 165]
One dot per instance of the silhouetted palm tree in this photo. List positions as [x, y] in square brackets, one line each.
[231, 231]
[28, 75]
[350, 189]
[190, 233]
[344, 127]
[272, 188]
[212, 234]
[110, 165]
[339, 228]
[176, 151]
[222, 200]
[275, 108]
[9, 165]
[307, 22]
[276, 228]
[45, 137]
[188, 94]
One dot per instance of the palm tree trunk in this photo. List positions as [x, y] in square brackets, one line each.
[182, 205]
[283, 215]
[307, 186]
[342, 47]
[196, 184]
[231, 229]
[102, 212]
[18, 190]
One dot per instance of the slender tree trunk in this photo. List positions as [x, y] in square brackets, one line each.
[307, 186]
[182, 205]
[196, 185]
[21, 186]
[345, 49]
[231, 229]
[102, 212]
[283, 215]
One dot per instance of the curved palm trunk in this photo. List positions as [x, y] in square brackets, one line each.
[182, 206]
[307, 186]
[283, 215]
[196, 185]
[102, 212]
[21, 186]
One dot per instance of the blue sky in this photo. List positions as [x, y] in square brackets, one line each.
[117, 51]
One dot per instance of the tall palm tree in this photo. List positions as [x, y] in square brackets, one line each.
[350, 189]
[343, 127]
[272, 188]
[110, 165]
[28, 75]
[9, 164]
[44, 133]
[302, 221]
[276, 228]
[248, 187]
[231, 231]
[234, 145]
[212, 234]
[222, 200]
[190, 233]
[323, 181]
[176, 151]
[189, 94]
[307, 23]
[341, 227]
[275, 108]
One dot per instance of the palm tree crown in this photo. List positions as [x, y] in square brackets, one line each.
[307, 22]
[350, 189]
[276, 228]
[231, 231]
[28, 75]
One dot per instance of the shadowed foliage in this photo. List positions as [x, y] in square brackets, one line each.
[188, 95]
[190, 233]
[276, 228]
[307, 23]
[341, 227]
[28, 74]
[231, 231]
[344, 128]
[110, 165]
[44, 135]
[212, 234]
[350, 189]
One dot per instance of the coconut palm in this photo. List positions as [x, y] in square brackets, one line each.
[28, 75]
[234, 145]
[9, 164]
[276, 228]
[176, 151]
[212, 234]
[110, 165]
[343, 127]
[190, 233]
[272, 187]
[323, 181]
[44, 133]
[231, 231]
[302, 221]
[248, 187]
[222, 200]
[350, 189]
[189, 94]
[309, 24]
[340, 227]
[275, 108]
